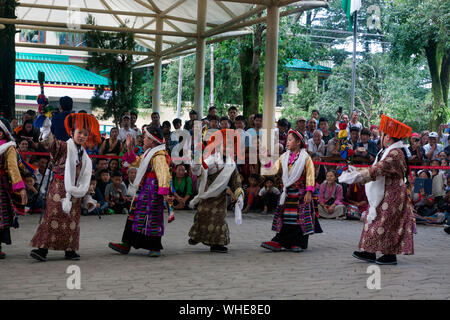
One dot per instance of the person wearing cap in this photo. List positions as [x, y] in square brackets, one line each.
[389, 225]
[295, 218]
[301, 125]
[126, 129]
[10, 180]
[432, 148]
[415, 149]
[72, 171]
[144, 227]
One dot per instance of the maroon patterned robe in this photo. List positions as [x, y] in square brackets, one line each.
[58, 230]
[391, 232]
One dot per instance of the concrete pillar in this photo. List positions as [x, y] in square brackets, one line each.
[270, 71]
[180, 87]
[156, 96]
[200, 59]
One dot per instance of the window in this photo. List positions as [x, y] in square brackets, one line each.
[33, 36]
[72, 39]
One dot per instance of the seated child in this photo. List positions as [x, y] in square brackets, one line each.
[251, 193]
[116, 194]
[182, 184]
[269, 194]
[356, 201]
[35, 202]
[425, 205]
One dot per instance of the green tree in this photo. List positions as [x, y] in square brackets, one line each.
[7, 60]
[124, 84]
[421, 28]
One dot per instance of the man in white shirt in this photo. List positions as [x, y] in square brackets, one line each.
[432, 149]
[126, 129]
[354, 122]
[316, 144]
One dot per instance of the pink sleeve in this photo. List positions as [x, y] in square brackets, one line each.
[129, 157]
[321, 193]
[310, 188]
[18, 186]
[163, 191]
[338, 195]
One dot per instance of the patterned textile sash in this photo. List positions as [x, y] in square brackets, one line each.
[147, 214]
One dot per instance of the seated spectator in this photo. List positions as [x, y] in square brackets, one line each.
[330, 198]
[100, 164]
[103, 181]
[30, 134]
[103, 206]
[93, 150]
[182, 184]
[111, 146]
[131, 175]
[251, 194]
[442, 156]
[116, 194]
[35, 202]
[425, 205]
[415, 149]
[439, 182]
[88, 203]
[354, 137]
[269, 194]
[316, 144]
[432, 149]
[113, 165]
[333, 146]
[366, 148]
[356, 201]
[24, 146]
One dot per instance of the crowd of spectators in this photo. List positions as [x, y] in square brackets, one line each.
[112, 177]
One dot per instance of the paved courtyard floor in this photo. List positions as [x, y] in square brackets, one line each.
[325, 271]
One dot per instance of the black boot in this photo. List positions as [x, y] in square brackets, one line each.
[365, 256]
[219, 249]
[192, 242]
[387, 259]
[71, 255]
[447, 229]
[39, 254]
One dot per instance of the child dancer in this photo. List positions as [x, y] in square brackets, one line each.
[145, 224]
[295, 218]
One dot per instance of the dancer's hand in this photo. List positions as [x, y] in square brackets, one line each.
[308, 197]
[23, 195]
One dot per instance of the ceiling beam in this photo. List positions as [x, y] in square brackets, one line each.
[102, 50]
[88, 10]
[258, 2]
[99, 28]
[78, 64]
[225, 8]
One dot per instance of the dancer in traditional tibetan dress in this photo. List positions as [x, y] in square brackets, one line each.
[295, 218]
[60, 227]
[10, 182]
[149, 191]
[388, 227]
[218, 177]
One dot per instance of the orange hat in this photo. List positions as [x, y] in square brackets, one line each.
[394, 128]
[84, 121]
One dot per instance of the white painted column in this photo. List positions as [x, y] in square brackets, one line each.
[200, 59]
[211, 94]
[180, 87]
[270, 70]
[156, 96]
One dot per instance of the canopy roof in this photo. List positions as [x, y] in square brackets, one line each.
[174, 22]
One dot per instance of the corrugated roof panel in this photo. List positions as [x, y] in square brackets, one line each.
[56, 73]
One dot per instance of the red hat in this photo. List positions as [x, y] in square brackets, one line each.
[415, 134]
[374, 126]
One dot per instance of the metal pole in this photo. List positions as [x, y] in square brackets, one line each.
[211, 91]
[156, 96]
[352, 104]
[180, 87]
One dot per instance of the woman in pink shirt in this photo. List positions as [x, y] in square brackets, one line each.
[330, 198]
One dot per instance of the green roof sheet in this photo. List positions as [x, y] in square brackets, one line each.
[55, 73]
[300, 65]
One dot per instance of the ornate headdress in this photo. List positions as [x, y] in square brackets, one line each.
[159, 140]
[299, 135]
[394, 128]
[84, 121]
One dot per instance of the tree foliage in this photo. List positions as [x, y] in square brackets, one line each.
[124, 84]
